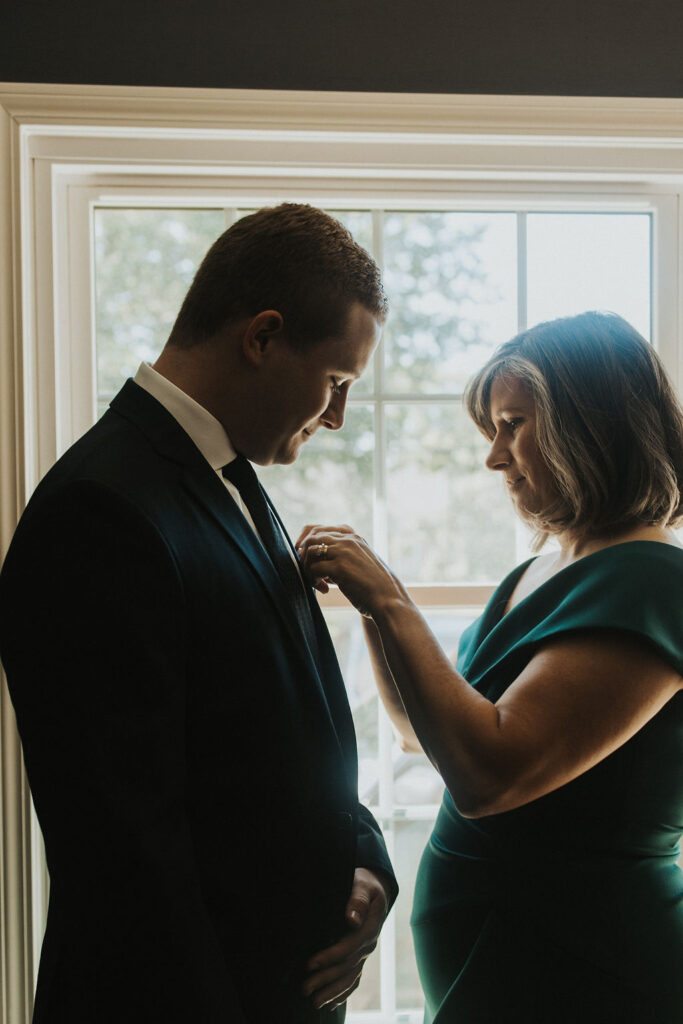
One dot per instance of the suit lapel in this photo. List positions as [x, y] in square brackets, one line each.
[202, 483]
[223, 509]
[337, 697]
[332, 683]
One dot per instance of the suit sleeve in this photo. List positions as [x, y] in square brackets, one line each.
[371, 851]
[94, 645]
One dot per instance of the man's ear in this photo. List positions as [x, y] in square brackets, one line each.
[259, 333]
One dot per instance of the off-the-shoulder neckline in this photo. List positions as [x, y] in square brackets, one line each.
[501, 596]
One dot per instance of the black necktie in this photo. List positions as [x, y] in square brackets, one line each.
[240, 472]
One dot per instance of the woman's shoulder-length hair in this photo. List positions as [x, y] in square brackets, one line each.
[608, 423]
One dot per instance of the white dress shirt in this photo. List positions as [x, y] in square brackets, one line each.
[204, 429]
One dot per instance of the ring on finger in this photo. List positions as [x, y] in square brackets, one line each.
[322, 550]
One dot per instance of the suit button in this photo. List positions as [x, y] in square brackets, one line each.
[343, 821]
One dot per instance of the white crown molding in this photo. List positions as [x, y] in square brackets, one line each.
[477, 115]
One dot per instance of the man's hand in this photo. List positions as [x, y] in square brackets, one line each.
[334, 973]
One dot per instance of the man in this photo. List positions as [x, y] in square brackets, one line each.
[186, 732]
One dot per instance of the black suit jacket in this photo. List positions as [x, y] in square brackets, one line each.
[194, 774]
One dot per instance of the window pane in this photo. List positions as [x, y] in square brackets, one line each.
[451, 279]
[416, 781]
[585, 261]
[359, 223]
[332, 480]
[348, 638]
[347, 635]
[410, 839]
[144, 263]
[448, 625]
[449, 520]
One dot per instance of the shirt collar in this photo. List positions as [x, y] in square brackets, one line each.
[204, 429]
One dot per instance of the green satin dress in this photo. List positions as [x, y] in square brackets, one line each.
[568, 910]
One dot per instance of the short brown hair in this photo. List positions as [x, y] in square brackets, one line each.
[293, 258]
[608, 422]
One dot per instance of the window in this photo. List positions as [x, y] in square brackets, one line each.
[485, 212]
[407, 469]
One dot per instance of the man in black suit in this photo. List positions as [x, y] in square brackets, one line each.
[186, 731]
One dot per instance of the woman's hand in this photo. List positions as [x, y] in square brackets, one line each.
[336, 554]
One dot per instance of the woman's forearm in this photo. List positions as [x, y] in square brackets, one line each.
[388, 692]
[456, 726]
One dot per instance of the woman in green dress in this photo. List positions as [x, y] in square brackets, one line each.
[549, 892]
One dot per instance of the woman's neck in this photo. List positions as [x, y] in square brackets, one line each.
[572, 547]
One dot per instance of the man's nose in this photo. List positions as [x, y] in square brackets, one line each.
[333, 417]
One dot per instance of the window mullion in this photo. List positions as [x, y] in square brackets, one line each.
[522, 292]
[387, 946]
[380, 512]
[231, 214]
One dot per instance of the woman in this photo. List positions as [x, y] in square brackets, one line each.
[549, 890]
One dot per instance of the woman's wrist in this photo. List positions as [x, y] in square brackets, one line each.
[390, 606]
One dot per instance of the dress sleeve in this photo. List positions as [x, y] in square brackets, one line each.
[635, 588]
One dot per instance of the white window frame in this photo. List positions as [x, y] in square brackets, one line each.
[58, 144]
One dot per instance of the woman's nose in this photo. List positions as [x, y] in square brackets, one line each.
[498, 456]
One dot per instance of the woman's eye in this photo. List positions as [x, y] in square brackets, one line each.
[336, 386]
[513, 424]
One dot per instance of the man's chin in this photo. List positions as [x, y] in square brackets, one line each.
[288, 456]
